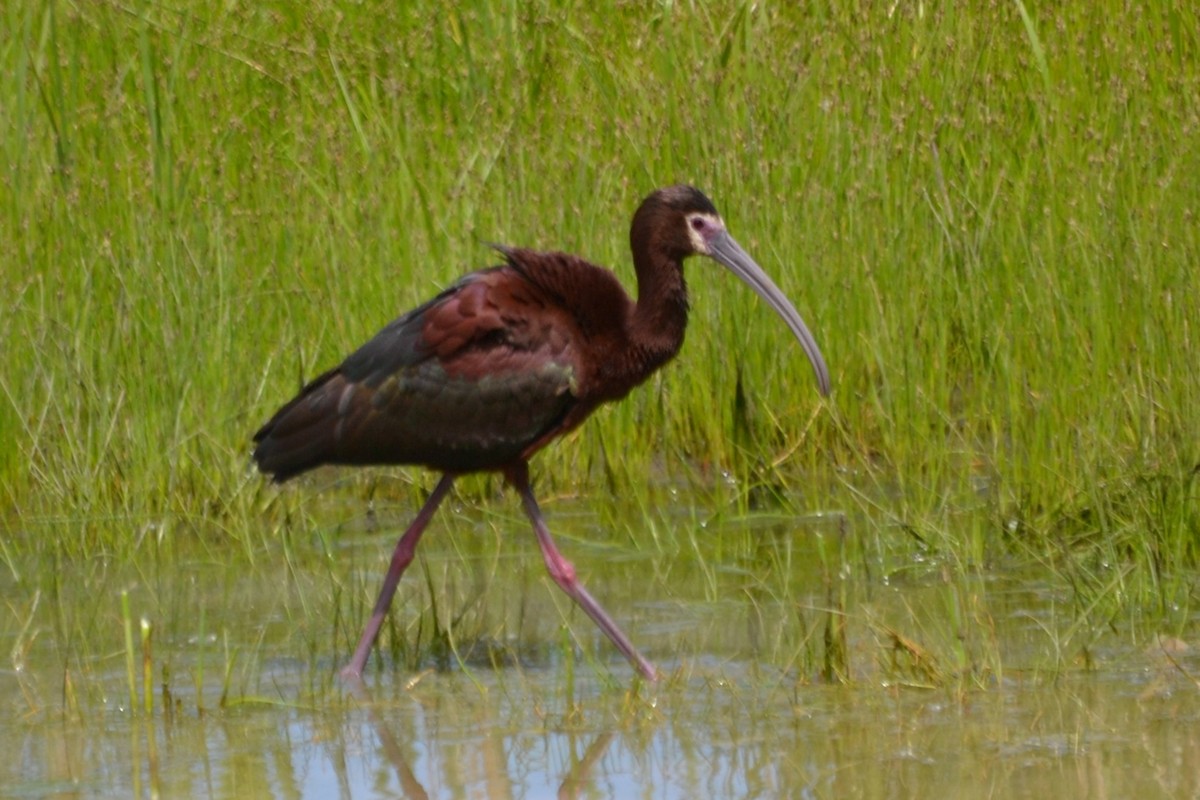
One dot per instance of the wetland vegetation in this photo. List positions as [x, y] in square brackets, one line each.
[988, 216]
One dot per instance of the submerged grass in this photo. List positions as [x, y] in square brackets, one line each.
[987, 215]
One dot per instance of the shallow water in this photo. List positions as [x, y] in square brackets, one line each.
[729, 737]
[940, 686]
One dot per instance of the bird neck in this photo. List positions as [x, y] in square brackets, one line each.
[660, 314]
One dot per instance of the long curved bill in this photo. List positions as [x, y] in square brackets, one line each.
[726, 251]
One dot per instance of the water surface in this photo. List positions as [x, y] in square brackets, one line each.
[793, 669]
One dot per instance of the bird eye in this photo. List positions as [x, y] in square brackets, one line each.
[698, 223]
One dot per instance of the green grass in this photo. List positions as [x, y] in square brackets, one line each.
[988, 216]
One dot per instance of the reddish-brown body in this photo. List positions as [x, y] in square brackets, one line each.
[504, 361]
[489, 371]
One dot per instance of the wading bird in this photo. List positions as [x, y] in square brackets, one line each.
[504, 361]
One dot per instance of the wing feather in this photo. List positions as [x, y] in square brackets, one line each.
[464, 382]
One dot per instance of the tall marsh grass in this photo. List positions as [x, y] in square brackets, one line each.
[987, 213]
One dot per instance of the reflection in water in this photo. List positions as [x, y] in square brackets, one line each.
[728, 731]
[580, 777]
[788, 675]
[576, 780]
[393, 754]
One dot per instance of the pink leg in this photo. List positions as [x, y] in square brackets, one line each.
[401, 558]
[563, 573]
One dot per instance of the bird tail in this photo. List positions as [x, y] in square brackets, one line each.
[302, 434]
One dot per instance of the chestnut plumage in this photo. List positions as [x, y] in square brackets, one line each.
[506, 360]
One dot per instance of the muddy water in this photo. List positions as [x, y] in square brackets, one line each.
[941, 687]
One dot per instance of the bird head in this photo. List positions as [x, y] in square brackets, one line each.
[678, 221]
